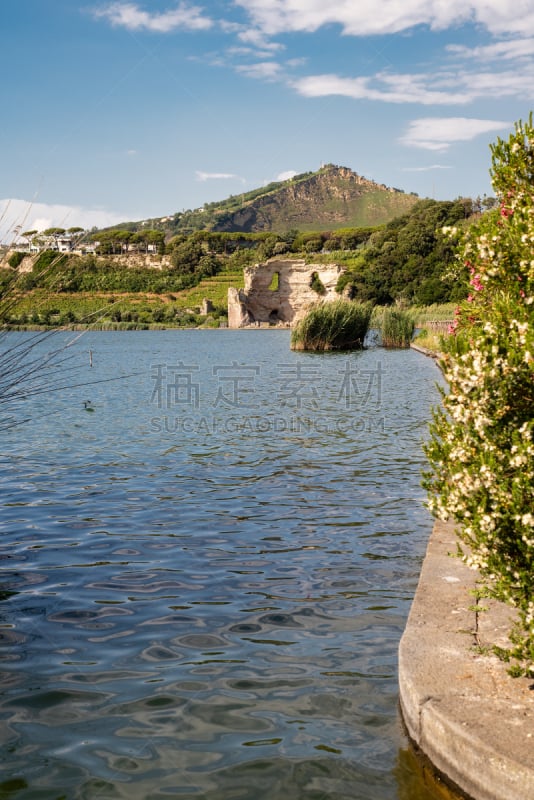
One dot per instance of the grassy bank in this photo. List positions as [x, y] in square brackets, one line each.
[433, 323]
[123, 310]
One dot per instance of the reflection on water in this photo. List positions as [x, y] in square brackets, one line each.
[205, 580]
[417, 779]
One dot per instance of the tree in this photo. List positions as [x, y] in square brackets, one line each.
[267, 248]
[186, 256]
[149, 237]
[29, 236]
[109, 241]
[314, 245]
[481, 450]
[122, 239]
[407, 254]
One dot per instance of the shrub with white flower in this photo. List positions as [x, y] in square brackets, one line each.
[481, 449]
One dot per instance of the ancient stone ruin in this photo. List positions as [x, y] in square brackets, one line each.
[280, 291]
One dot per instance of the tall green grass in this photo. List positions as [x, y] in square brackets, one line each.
[438, 312]
[397, 327]
[339, 325]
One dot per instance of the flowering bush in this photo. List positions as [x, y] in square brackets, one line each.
[481, 449]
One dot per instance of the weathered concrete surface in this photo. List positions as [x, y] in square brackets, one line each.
[461, 708]
[424, 350]
[282, 301]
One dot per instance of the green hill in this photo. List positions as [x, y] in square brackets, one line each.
[331, 198]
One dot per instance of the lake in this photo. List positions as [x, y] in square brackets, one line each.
[209, 550]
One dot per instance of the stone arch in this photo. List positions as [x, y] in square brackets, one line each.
[279, 291]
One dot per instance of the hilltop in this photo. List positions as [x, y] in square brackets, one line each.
[333, 197]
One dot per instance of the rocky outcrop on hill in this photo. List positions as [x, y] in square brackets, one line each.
[330, 198]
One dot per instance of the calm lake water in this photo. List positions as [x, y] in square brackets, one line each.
[207, 565]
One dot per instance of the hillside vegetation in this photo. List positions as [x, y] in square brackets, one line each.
[406, 259]
[411, 257]
[333, 197]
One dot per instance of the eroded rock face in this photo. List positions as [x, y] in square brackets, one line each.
[238, 316]
[279, 292]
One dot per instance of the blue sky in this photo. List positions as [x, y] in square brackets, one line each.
[117, 111]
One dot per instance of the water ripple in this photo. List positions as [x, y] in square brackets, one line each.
[211, 615]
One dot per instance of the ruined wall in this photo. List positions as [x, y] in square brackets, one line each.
[129, 260]
[281, 300]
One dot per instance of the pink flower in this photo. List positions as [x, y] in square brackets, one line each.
[475, 283]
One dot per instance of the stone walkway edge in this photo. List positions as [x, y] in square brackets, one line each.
[472, 720]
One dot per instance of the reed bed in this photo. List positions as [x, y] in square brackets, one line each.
[338, 325]
[397, 328]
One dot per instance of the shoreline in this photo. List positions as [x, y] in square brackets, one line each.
[461, 709]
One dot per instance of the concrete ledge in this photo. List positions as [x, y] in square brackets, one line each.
[424, 350]
[461, 708]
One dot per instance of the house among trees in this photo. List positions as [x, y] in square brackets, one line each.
[81, 242]
[64, 241]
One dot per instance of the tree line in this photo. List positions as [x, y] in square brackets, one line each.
[409, 258]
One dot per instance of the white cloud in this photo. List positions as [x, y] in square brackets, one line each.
[435, 133]
[510, 49]
[243, 52]
[363, 18]
[264, 70]
[384, 87]
[217, 176]
[451, 87]
[425, 169]
[17, 216]
[458, 85]
[255, 37]
[287, 175]
[512, 83]
[133, 18]
[269, 17]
